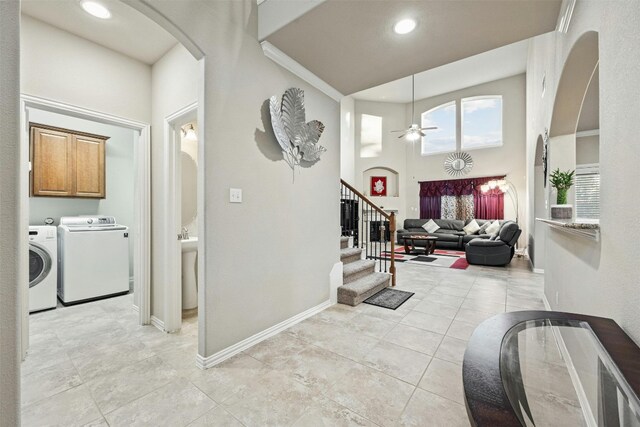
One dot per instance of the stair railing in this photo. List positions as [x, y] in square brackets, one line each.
[371, 228]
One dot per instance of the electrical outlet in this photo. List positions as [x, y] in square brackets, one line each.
[235, 195]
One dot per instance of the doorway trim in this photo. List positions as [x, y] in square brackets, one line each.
[142, 190]
[173, 254]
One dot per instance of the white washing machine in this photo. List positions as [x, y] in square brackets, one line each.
[43, 250]
[93, 258]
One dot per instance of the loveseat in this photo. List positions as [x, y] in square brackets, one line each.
[450, 234]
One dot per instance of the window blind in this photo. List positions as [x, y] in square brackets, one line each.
[588, 195]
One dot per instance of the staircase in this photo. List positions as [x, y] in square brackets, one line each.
[360, 280]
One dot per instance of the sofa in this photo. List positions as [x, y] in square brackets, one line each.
[497, 250]
[450, 234]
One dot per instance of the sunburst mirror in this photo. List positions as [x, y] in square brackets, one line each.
[458, 163]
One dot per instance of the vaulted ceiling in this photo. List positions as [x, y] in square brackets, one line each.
[351, 45]
[127, 31]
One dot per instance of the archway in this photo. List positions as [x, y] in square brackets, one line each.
[578, 72]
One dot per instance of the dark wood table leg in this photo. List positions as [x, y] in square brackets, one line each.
[406, 247]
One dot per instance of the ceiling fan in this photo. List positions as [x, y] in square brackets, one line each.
[414, 132]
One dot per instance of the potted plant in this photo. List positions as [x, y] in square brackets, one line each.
[562, 182]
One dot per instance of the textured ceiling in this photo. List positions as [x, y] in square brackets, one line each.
[350, 44]
[127, 31]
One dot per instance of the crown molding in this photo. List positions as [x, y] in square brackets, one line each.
[288, 63]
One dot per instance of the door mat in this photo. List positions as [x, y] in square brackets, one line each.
[389, 298]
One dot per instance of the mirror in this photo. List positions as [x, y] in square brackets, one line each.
[458, 163]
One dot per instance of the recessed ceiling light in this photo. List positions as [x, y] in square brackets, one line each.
[96, 9]
[404, 26]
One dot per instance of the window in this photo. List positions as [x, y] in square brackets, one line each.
[587, 186]
[481, 122]
[443, 139]
[370, 136]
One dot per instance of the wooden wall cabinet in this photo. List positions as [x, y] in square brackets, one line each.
[66, 163]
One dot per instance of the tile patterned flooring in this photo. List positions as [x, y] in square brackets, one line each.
[91, 365]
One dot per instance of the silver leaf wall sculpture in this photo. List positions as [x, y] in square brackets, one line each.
[297, 138]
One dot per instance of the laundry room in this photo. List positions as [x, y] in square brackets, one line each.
[81, 179]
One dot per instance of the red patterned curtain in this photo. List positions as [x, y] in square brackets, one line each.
[486, 206]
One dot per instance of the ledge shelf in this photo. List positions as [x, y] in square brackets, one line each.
[586, 230]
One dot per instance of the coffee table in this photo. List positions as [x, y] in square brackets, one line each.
[429, 240]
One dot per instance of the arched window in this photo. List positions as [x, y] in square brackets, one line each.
[443, 139]
[481, 122]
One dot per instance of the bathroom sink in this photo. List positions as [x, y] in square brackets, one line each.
[190, 244]
[189, 273]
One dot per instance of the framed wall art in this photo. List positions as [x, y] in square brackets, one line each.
[378, 186]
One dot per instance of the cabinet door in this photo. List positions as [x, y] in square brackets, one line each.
[52, 163]
[89, 166]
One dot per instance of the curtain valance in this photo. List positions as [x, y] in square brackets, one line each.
[454, 187]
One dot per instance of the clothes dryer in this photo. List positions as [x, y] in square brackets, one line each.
[43, 258]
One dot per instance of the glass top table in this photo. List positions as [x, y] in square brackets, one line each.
[537, 368]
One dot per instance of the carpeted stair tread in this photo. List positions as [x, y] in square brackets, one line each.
[350, 254]
[344, 242]
[356, 268]
[344, 239]
[357, 291]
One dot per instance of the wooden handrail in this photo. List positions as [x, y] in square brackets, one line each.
[366, 199]
[391, 217]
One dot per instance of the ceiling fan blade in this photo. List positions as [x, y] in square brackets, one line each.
[422, 134]
[429, 128]
[403, 130]
[402, 136]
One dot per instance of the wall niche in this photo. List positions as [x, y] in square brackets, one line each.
[392, 177]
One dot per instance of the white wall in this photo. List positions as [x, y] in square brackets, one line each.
[347, 139]
[259, 267]
[405, 157]
[61, 66]
[598, 278]
[119, 174]
[174, 85]
[587, 150]
[13, 251]
[393, 155]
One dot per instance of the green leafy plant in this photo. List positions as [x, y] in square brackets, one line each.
[562, 182]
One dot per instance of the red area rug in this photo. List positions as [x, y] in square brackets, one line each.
[440, 258]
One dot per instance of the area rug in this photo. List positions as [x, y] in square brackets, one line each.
[389, 298]
[440, 258]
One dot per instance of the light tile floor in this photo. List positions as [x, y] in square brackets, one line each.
[365, 365]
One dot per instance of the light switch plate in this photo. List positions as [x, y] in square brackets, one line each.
[235, 195]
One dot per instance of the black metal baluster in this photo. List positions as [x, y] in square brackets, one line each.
[385, 246]
[377, 233]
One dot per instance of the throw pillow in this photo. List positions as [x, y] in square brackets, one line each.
[483, 229]
[493, 228]
[430, 226]
[471, 228]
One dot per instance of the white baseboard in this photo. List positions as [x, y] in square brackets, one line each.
[538, 270]
[157, 323]
[222, 355]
